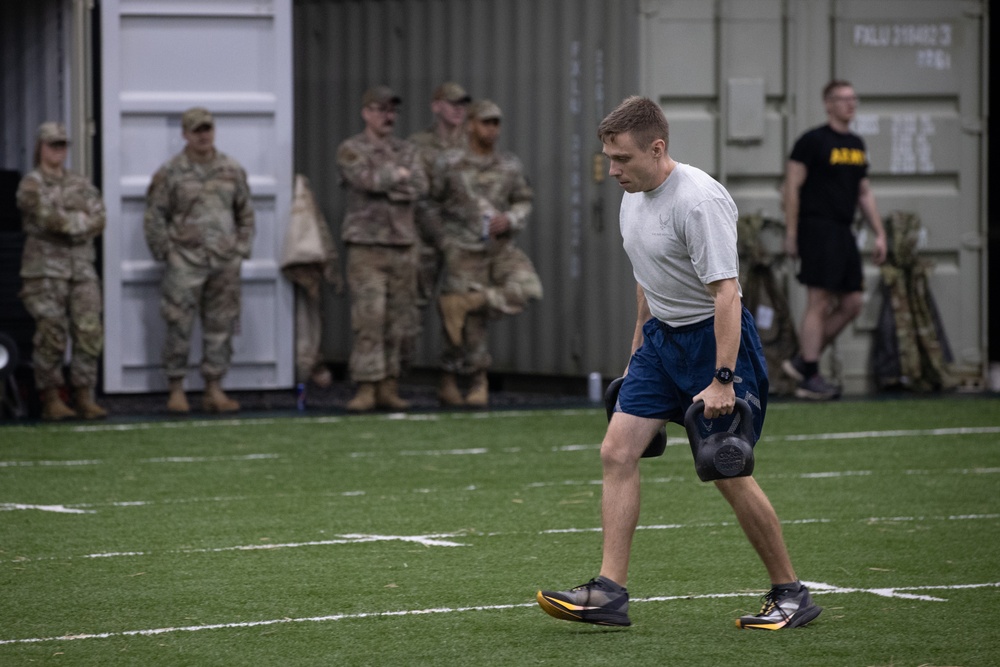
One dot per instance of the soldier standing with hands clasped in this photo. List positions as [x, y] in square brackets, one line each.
[199, 221]
[63, 214]
[383, 177]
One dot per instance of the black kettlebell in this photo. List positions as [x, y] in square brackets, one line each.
[721, 455]
[658, 444]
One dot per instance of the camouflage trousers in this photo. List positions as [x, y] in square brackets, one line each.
[214, 292]
[431, 264]
[507, 278]
[382, 282]
[64, 310]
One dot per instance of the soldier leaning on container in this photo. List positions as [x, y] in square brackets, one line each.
[200, 221]
[383, 177]
[449, 104]
[63, 214]
[485, 202]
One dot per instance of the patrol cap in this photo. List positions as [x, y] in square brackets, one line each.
[51, 132]
[380, 95]
[452, 92]
[195, 117]
[485, 110]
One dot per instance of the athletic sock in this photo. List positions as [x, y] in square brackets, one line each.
[791, 587]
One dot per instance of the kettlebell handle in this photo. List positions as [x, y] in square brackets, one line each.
[697, 409]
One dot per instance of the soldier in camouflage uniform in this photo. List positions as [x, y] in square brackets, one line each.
[383, 177]
[449, 105]
[63, 214]
[485, 202]
[200, 221]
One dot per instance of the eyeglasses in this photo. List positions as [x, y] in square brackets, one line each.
[58, 145]
[204, 127]
[384, 108]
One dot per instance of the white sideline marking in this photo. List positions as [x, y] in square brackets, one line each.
[444, 452]
[898, 433]
[844, 473]
[329, 419]
[815, 588]
[438, 539]
[29, 464]
[532, 485]
[672, 526]
[402, 416]
[61, 509]
[168, 459]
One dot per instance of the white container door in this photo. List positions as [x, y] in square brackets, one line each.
[158, 58]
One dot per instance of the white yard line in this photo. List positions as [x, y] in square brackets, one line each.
[58, 509]
[162, 459]
[444, 539]
[252, 422]
[816, 588]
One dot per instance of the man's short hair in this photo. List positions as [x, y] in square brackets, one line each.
[834, 85]
[639, 116]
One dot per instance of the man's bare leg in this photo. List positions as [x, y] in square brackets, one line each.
[626, 438]
[760, 524]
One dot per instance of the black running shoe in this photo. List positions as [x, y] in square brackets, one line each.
[816, 388]
[782, 610]
[599, 601]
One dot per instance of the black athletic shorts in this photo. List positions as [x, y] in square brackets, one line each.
[829, 256]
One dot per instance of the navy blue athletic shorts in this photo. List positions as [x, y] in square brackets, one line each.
[675, 363]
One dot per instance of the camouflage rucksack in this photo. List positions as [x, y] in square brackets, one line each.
[910, 350]
[764, 276]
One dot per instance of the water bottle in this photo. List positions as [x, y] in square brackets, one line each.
[595, 391]
[300, 396]
[485, 236]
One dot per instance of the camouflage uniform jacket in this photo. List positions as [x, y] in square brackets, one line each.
[202, 211]
[470, 186]
[379, 205]
[62, 216]
[430, 145]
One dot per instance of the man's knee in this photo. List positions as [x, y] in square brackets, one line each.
[621, 445]
[850, 304]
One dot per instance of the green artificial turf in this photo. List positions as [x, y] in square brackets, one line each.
[421, 540]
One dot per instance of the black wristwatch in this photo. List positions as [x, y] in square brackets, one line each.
[724, 375]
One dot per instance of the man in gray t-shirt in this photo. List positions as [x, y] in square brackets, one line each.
[676, 245]
[693, 341]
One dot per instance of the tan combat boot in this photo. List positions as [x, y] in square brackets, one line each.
[53, 408]
[86, 406]
[215, 400]
[177, 402]
[387, 395]
[448, 392]
[364, 400]
[455, 308]
[479, 393]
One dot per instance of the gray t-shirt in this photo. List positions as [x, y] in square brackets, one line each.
[680, 237]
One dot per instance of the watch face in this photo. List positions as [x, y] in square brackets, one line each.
[725, 375]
